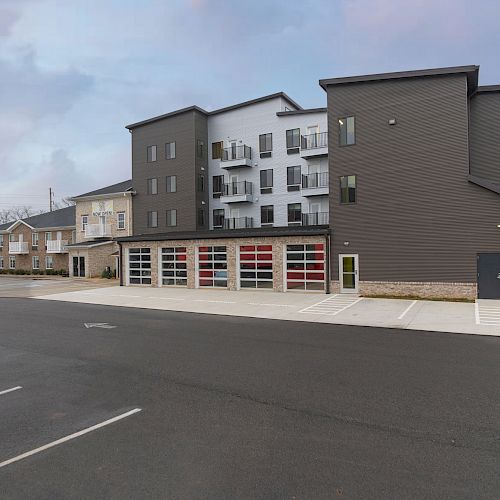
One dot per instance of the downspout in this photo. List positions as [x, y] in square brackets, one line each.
[121, 263]
[327, 255]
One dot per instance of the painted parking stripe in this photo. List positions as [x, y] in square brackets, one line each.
[487, 313]
[68, 438]
[12, 389]
[332, 305]
[403, 314]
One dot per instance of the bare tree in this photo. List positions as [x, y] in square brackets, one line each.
[15, 213]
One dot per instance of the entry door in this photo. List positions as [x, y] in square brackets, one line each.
[59, 235]
[312, 138]
[233, 150]
[488, 275]
[79, 267]
[348, 273]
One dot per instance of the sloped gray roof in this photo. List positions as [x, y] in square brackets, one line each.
[6, 225]
[119, 187]
[64, 217]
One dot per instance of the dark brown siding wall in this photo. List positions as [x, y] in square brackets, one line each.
[416, 217]
[485, 136]
[183, 129]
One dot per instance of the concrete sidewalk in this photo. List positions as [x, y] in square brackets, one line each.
[481, 318]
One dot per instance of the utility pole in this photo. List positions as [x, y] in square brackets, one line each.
[51, 195]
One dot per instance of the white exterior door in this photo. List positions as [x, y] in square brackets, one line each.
[348, 273]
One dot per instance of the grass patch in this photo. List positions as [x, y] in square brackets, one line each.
[418, 297]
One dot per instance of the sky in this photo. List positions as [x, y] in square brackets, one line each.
[73, 73]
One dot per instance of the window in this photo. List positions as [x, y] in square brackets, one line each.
[1, 262]
[48, 237]
[348, 189]
[12, 262]
[212, 266]
[172, 217]
[34, 240]
[120, 220]
[49, 262]
[266, 181]
[305, 267]
[293, 178]
[152, 219]
[265, 145]
[201, 183]
[267, 215]
[171, 183]
[153, 186]
[293, 140]
[200, 148]
[85, 221]
[346, 131]
[256, 266]
[217, 148]
[218, 217]
[217, 181]
[169, 150]
[151, 153]
[35, 262]
[12, 237]
[1, 240]
[174, 266]
[201, 217]
[294, 214]
[139, 266]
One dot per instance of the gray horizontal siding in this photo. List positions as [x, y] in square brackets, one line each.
[417, 217]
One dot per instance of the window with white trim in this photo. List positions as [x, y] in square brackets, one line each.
[34, 240]
[49, 262]
[212, 266]
[256, 266]
[139, 266]
[1, 240]
[85, 221]
[35, 262]
[174, 266]
[120, 220]
[12, 261]
[1, 262]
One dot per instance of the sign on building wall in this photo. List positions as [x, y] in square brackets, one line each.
[102, 207]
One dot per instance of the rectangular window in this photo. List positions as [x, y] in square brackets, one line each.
[305, 267]
[85, 221]
[212, 266]
[265, 143]
[267, 215]
[169, 150]
[171, 183]
[293, 178]
[218, 218]
[152, 219]
[266, 181]
[294, 214]
[1, 262]
[217, 181]
[201, 217]
[256, 266]
[174, 266]
[348, 189]
[293, 140]
[121, 220]
[151, 153]
[34, 240]
[153, 186]
[217, 148]
[200, 148]
[49, 262]
[48, 237]
[346, 131]
[12, 237]
[12, 262]
[139, 266]
[1, 240]
[172, 217]
[35, 262]
[201, 183]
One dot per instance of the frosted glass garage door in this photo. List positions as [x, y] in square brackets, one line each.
[305, 267]
[212, 266]
[139, 266]
[173, 266]
[256, 266]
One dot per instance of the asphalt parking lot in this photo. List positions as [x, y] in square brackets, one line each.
[235, 407]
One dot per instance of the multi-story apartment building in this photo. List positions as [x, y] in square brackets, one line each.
[38, 243]
[100, 217]
[242, 197]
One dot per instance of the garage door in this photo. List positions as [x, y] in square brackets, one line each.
[139, 266]
[488, 275]
[173, 266]
[256, 266]
[212, 266]
[305, 267]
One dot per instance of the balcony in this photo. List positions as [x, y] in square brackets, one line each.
[315, 219]
[236, 156]
[18, 247]
[314, 145]
[57, 246]
[238, 223]
[97, 230]
[314, 184]
[237, 192]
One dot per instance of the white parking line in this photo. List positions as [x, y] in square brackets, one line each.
[403, 314]
[215, 301]
[10, 390]
[271, 305]
[487, 313]
[68, 438]
[332, 305]
[166, 298]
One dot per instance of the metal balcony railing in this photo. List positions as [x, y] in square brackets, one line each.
[315, 219]
[316, 180]
[97, 230]
[18, 247]
[236, 153]
[238, 223]
[313, 141]
[57, 246]
[236, 188]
